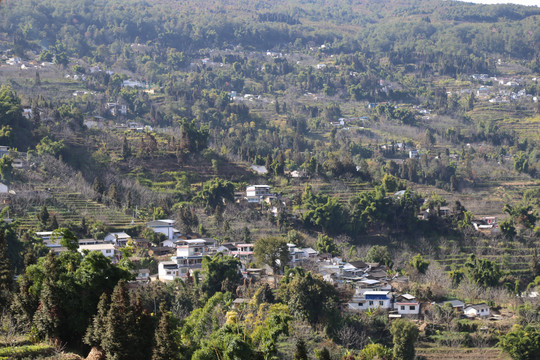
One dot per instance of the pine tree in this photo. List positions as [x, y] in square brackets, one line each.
[301, 352]
[144, 329]
[98, 188]
[94, 332]
[325, 354]
[47, 319]
[24, 304]
[43, 216]
[54, 223]
[126, 149]
[6, 278]
[117, 340]
[166, 347]
[37, 79]
[114, 195]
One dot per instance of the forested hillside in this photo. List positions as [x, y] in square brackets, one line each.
[269, 179]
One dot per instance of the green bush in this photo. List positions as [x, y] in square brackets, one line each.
[20, 352]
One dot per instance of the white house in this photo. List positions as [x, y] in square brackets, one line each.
[227, 248]
[407, 304]
[105, 249]
[46, 236]
[476, 310]
[413, 154]
[364, 300]
[166, 227]
[169, 270]
[256, 193]
[89, 242]
[189, 255]
[142, 275]
[117, 238]
[244, 252]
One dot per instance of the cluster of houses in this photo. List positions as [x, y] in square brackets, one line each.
[375, 286]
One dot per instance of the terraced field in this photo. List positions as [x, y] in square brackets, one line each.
[72, 207]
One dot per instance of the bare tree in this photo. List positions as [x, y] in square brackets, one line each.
[350, 337]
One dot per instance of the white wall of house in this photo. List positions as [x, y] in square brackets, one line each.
[407, 308]
[472, 312]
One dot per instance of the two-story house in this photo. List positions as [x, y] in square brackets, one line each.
[166, 227]
[189, 255]
[244, 252]
[257, 193]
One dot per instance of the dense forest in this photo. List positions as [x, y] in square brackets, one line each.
[308, 159]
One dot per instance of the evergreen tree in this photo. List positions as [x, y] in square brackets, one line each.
[264, 294]
[114, 195]
[166, 347]
[144, 329]
[94, 333]
[324, 354]
[404, 334]
[126, 149]
[43, 216]
[301, 352]
[117, 340]
[54, 223]
[98, 188]
[24, 304]
[6, 278]
[47, 319]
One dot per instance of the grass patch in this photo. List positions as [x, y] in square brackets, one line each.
[19, 352]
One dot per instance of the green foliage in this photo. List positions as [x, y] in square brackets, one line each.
[95, 331]
[15, 129]
[215, 192]
[310, 297]
[6, 277]
[378, 254]
[418, 263]
[482, 271]
[166, 341]
[523, 214]
[220, 273]
[322, 211]
[272, 251]
[192, 139]
[376, 352]
[404, 334]
[326, 244]
[66, 238]
[26, 351]
[48, 146]
[118, 339]
[300, 353]
[521, 343]
[264, 295]
[188, 218]
[48, 316]
[6, 168]
[390, 183]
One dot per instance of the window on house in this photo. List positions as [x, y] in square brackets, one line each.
[402, 307]
[412, 307]
[168, 273]
[371, 303]
[108, 251]
[381, 303]
[360, 304]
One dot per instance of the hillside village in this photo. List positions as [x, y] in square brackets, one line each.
[293, 180]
